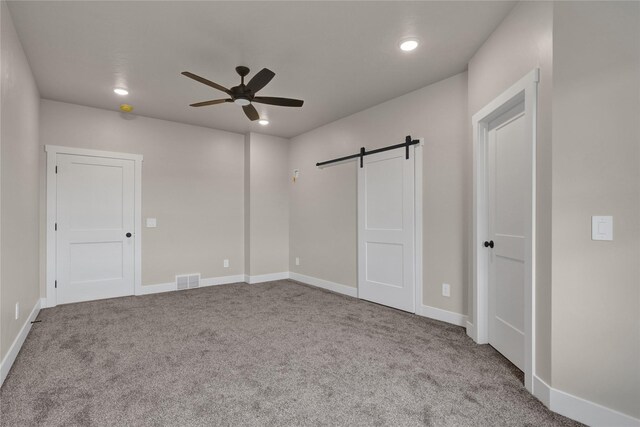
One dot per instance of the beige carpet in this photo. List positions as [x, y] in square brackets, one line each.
[277, 353]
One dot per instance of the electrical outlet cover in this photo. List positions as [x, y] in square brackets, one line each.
[446, 290]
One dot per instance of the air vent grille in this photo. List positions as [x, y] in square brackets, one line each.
[194, 281]
[187, 281]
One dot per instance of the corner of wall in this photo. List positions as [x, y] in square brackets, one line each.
[19, 175]
[247, 204]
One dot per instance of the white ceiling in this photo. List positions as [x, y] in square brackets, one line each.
[340, 57]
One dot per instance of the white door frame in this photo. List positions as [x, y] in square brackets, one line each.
[417, 155]
[52, 152]
[525, 90]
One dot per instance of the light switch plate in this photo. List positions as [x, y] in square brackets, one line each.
[297, 261]
[151, 223]
[225, 263]
[601, 228]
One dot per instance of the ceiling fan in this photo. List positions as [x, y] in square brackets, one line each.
[244, 95]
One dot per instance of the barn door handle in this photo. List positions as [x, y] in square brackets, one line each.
[128, 234]
[488, 244]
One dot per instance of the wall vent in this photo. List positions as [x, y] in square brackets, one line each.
[194, 281]
[187, 281]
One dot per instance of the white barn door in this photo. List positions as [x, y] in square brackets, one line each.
[386, 229]
[94, 228]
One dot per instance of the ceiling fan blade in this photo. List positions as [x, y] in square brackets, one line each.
[251, 112]
[206, 82]
[283, 102]
[260, 80]
[212, 102]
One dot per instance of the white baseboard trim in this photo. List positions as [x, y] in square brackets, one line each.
[157, 288]
[211, 281]
[580, 409]
[471, 331]
[542, 391]
[267, 277]
[442, 315]
[325, 284]
[11, 355]
[423, 310]
[224, 280]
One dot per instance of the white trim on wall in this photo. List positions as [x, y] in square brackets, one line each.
[137, 281]
[215, 281]
[157, 288]
[92, 153]
[52, 152]
[11, 355]
[471, 331]
[523, 91]
[267, 277]
[325, 284]
[210, 281]
[222, 280]
[418, 224]
[442, 315]
[421, 309]
[580, 409]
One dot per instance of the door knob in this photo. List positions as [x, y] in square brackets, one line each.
[129, 235]
[488, 244]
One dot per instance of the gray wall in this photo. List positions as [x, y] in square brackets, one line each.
[267, 193]
[196, 181]
[192, 182]
[587, 295]
[19, 186]
[323, 201]
[596, 171]
[522, 42]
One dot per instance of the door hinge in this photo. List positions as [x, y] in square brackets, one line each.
[55, 283]
[56, 168]
[56, 226]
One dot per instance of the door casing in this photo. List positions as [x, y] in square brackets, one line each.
[52, 152]
[523, 91]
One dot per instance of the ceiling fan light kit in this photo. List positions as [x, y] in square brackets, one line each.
[241, 101]
[244, 95]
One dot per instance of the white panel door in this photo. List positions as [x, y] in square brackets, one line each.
[386, 270]
[95, 224]
[508, 194]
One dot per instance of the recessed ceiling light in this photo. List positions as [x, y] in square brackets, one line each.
[121, 91]
[408, 45]
[263, 122]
